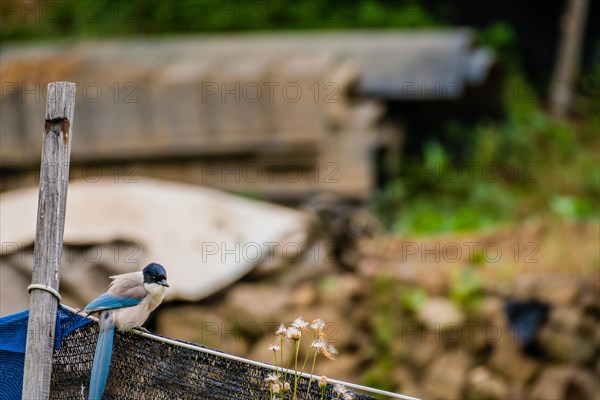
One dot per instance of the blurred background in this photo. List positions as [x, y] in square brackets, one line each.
[423, 175]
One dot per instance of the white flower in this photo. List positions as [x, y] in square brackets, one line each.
[281, 331]
[272, 378]
[300, 323]
[339, 388]
[274, 347]
[329, 351]
[318, 344]
[317, 325]
[293, 333]
[332, 350]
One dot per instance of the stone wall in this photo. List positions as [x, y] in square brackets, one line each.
[417, 324]
[409, 314]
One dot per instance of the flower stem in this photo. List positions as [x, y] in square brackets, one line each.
[287, 367]
[276, 366]
[297, 374]
[312, 369]
[281, 351]
[308, 353]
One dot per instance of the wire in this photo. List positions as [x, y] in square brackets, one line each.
[45, 288]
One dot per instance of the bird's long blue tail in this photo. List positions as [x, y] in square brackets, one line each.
[102, 356]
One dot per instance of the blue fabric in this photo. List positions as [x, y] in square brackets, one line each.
[13, 338]
[107, 301]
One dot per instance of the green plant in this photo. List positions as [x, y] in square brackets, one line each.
[385, 316]
[411, 299]
[67, 18]
[525, 166]
[466, 289]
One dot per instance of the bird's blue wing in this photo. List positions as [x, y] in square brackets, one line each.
[108, 301]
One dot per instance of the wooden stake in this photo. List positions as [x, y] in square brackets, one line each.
[572, 27]
[54, 177]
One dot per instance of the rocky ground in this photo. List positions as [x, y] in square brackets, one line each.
[512, 313]
[428, 317]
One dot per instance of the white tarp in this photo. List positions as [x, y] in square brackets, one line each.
[206, 239]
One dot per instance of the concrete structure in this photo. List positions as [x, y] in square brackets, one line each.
[281, 115]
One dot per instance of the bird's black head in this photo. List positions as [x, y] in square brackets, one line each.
[155, 273]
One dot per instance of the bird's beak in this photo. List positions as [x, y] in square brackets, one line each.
[164, 283]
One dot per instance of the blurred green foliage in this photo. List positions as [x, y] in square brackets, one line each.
[526, 166]
[466, 289]
[88, 18]
[411, 298]
[385, 323]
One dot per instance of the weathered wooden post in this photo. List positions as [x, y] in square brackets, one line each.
[571, 39]
[54, 177]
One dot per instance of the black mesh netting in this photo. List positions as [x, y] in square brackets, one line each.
[143, 368]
